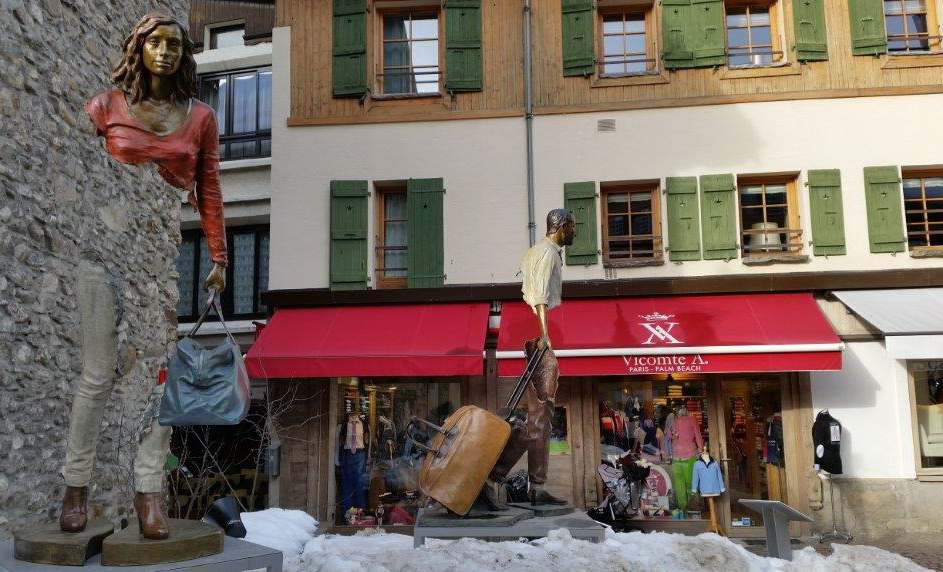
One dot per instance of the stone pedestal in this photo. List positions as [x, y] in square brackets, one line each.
[439, 517]
[580, 527]
[46, 544]
[189, 539]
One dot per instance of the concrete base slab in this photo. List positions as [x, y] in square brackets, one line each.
[580, 526]
[440, 517]
[545, 509]
[188, 539]
[237, 556]
[47, 544]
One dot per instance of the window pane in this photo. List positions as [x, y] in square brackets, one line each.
[185, 283]
[266, 147]
[618, 225]
[613, 45]
[425, 53]
[895, 25]
[641, 202]
[915, 217]
[643, 248]
[737, 37]
[642, 224]
[616, 203]
[227, 37]
[739, 60]
[265, 100]
[613, 65]
[425, 27]
[933, 187]
[912, 189]
[737, 18]
[242, 150]
[618, 249]
[245, 90]
[759, 17]
[917, 24]
[395, 206]
[263, 267]
[612, 24]
[777, 215]
[916, 6]
[394, 27]
[214, 93]
[635, 23]
[761, 37]
[893, 7]
[243, 268]
[636, 45]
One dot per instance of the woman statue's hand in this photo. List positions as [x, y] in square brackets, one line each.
[216, 279]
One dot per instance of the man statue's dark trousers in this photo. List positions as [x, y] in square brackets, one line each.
[532, 437]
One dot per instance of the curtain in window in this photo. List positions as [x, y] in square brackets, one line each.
[397, 71]
[395, 233]
[245, 90]
[185, 281]
[243, 287]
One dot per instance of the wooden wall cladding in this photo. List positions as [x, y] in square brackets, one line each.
[842, 75]
[259, 17]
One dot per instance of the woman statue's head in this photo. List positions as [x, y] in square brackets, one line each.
[158, 45]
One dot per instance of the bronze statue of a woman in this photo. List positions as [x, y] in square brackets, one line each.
[150, 117]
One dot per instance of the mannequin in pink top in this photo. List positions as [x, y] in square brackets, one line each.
[687, 443]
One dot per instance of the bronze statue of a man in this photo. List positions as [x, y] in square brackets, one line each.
[150, 117]
[542, 276]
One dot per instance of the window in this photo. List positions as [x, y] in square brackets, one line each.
[928, 401]
[243, 104]
[409, 52]
[752, 38]
[227, 36]
[246, 276]
[923, 208]
[627, 41]
[769, 217]
[631, 222]
[908, 24]
[391, 237]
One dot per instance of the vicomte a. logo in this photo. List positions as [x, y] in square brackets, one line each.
[660, 328]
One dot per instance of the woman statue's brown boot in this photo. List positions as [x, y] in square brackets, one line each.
[74, 515]
[151, 517]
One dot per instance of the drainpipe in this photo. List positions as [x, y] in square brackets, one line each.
[529, 125]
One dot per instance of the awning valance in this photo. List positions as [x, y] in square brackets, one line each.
[388, 340]
[910, 318]
[677, 334]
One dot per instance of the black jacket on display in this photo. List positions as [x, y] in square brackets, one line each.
[826, 437]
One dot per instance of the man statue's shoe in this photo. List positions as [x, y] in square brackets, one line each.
[488, 498]
[74, 515]
[151, 517]
[539, 495]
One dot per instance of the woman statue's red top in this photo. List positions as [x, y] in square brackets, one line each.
[187, 157]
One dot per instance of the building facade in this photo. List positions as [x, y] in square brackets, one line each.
[733, 167]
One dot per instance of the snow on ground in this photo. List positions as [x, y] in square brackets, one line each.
[374, 551]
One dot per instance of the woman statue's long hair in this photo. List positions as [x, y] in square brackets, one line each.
[134, 79]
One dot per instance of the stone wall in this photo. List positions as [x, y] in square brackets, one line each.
[60, 195]
[874, 509]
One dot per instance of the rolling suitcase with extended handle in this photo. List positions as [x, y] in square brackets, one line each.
[465, 448]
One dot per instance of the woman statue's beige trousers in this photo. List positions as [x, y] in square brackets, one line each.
[98, 303]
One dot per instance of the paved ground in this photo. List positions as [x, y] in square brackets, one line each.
[925, 550]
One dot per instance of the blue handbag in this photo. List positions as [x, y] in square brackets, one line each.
[205, 386]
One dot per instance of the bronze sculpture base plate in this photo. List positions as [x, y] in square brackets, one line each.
[188, 539]
[46, 544]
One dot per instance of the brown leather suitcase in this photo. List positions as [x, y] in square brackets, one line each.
[465, 449]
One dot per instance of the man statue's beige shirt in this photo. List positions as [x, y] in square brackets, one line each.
[542, 274]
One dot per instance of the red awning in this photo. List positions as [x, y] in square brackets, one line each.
[677, 334]
[393, 340]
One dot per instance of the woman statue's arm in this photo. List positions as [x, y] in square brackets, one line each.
[209, 197]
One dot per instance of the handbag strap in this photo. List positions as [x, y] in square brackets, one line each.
[212, 304]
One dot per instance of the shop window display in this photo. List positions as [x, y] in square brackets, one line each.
[928, 395]
[377, 468]
[652, 431]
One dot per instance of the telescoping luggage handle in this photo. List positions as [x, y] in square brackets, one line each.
[510, 407]
[518, 392]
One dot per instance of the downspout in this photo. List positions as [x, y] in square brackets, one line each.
[529, 126]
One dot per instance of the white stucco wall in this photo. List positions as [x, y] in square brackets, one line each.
[870, 398]
[482, 162]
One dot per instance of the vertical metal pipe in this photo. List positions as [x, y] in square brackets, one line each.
[529, 126]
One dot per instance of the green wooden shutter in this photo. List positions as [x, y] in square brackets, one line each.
[883, 198]
[348, 235]
[349, 70]
[710, 37]
[809, 22]
[867, 27]
[684, 233]
[580, 199]
[828, 221]
[719, 216]
[578, 37]
[676, 19]
[463, 68]
[425, 257]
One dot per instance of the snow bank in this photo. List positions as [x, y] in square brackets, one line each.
[374, 551]
[285, 530]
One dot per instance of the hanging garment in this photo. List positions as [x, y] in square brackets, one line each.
[681, 476]
[353, 479]
[688, 441]
[354, 438]
[826, 436]
[671, 431]
[773, 447]
[706, 478]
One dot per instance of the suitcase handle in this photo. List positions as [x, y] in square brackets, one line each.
[421, 446]
[518, 392]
